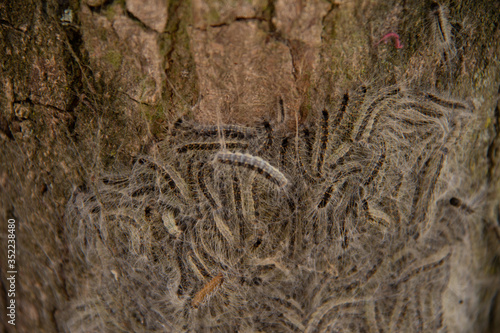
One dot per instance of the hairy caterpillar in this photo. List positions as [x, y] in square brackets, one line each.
[371, 114]
[323, 141]
[424, 268]
[376, 168]
[268, 142]
[207, 290]
[441, 30]
[170, 175]
[209, 146]
[454, 105]
[253, 163]
[202, 173]
[456, 202]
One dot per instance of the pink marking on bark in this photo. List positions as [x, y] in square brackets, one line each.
[385, 39]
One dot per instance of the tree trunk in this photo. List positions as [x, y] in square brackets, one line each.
[366, 198]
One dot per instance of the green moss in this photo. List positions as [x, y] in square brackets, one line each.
[110, 13]
[213, 16]
[114, 58]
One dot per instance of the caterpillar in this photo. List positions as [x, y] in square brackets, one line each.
[194, 268]
[207, 290]
[210, 146]
[456, 202]
[155, 167]
[238, 207]
[325, 198]
[376, 168]
[223, 228]
[421, 199]
[268, 143]
[343, 106]
[253, 163]
[170, 224]
[338, 157]
[374, 216]
[441, 30]
[202, 173]
[170, 175]
[445, 103]
[372, 112]
[323, 141]
[424, 268]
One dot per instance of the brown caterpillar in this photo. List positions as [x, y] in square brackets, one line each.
[445, 103]
[207, 290]
[325, 198]
[374, 269]
[210, 146]
[400, 315]
[421, 199]
[238, 207]
[269, 137]
[441, 30]
[253, 163]
[339, 155]
[153, 166]
[424, 268]
[170, 175]
[370, 114]
[376, 168]
[423, 109]
[201, 183]
[323, 142]
[341, 112]
[456, 202]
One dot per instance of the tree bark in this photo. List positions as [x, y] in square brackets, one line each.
[88, 87]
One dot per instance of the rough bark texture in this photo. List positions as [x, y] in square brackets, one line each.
[87, 87]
